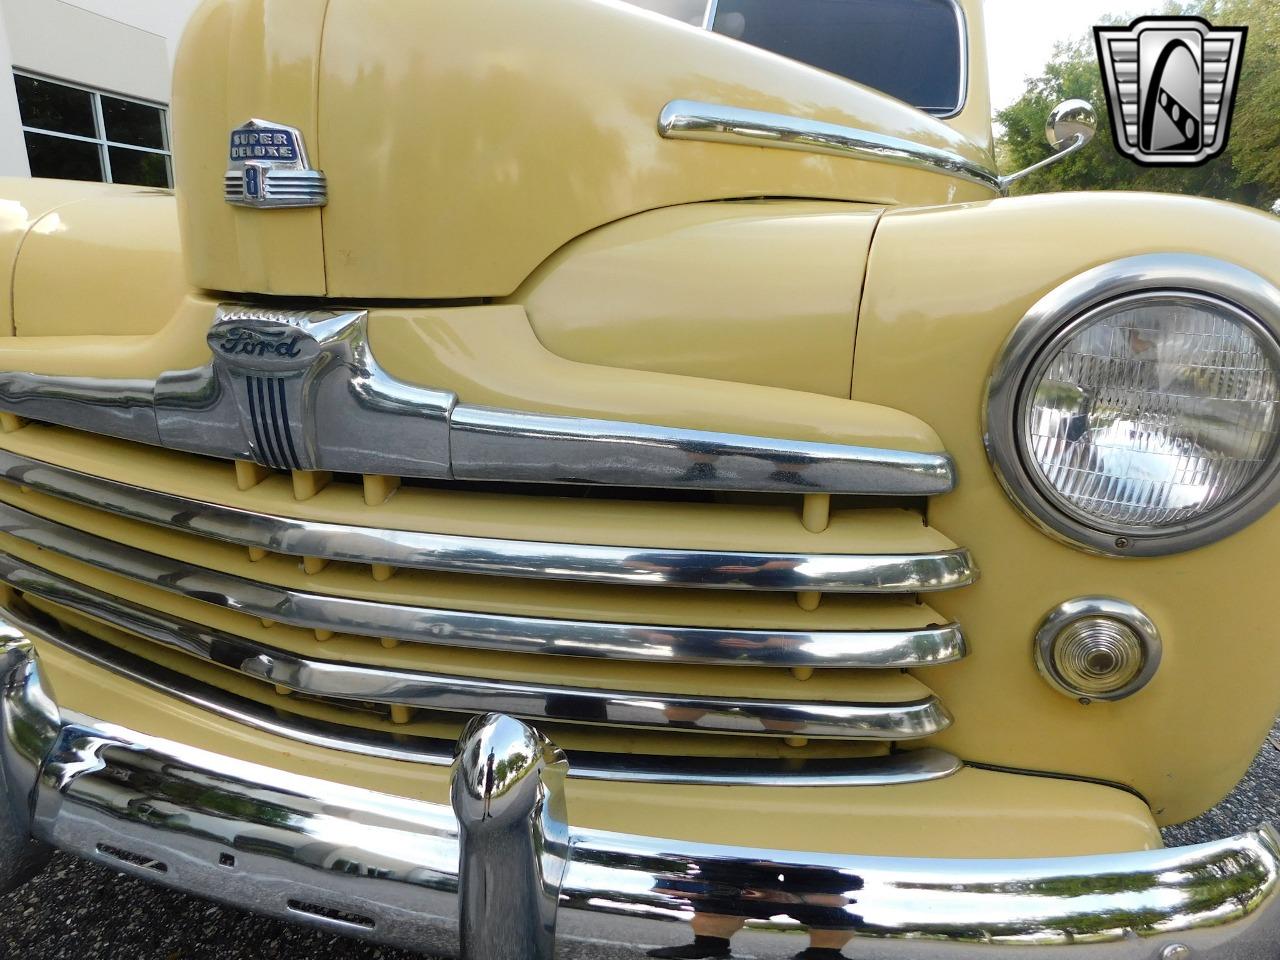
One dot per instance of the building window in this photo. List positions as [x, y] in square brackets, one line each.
[76, 133]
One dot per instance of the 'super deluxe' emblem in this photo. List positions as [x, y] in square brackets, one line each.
[268, 168]
[1171, 82]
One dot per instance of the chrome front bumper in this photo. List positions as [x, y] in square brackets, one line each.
[502, 874]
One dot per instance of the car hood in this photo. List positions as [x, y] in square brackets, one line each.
[464, 142]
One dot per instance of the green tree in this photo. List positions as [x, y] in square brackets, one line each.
[1248, 172]
[1255, 135]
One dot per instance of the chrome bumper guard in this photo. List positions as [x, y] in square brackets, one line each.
[502, 874]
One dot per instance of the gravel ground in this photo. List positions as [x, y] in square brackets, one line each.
[79, 911]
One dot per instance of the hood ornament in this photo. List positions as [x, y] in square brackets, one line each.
[269, 168]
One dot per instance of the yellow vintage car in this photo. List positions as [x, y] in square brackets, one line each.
[523, 495]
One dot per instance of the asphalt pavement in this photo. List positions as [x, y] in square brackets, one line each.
[78, 911]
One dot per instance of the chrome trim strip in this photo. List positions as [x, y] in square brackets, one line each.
[302, 188]
[589, 563]
[460, 694]
[1075, 146]
[302, 390]
[116, 408]
[1254, 299]
[718, 123]
[386, 868]
[492, 444]
[662, 643]
[903, 766]
[962, 100]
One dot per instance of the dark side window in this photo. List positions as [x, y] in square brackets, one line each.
[910, 49]
[78, 133]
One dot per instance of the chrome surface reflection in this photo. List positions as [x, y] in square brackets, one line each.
[352, 861]
[451, 693]
[29, 725]
[832, 573]
[302, 390]
[665, 643]
[491, 444]
[719, 123]
[513, 832]
[902, 766]
[1069, 129]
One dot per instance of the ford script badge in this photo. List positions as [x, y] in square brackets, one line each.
[268, 168]
[263, 340]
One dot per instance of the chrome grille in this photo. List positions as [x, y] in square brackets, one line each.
[199, 561]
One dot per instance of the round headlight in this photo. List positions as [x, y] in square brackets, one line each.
[1136, 410]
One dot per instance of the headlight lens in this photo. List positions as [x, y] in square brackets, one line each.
[1135, 409]
[1152, 412]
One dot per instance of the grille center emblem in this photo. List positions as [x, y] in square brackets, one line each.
[1171, 83]
[268, 168]
[264, 340]
[293, 389]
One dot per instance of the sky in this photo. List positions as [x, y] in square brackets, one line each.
[1021, 35]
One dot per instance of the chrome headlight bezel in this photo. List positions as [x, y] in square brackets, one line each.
[1246, 296]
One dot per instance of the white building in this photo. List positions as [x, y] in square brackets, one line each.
[85, 86]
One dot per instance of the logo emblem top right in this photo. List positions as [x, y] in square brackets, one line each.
[1171, 83]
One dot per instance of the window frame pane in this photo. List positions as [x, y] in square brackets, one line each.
[106, 128]
[89, 116]
[114, 148]
[100, 139]
[28, 135]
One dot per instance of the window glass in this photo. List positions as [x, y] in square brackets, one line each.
[63, 159]
[690, 11]
[78, 134]
[138, 124]
[135, 166]
[54, 106]
[910, 49]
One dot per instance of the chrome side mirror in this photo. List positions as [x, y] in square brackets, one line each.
[1070, 127]
[1068, 121]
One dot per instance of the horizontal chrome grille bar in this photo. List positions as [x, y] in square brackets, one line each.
[455, 694]
[339, 410]
[906, 766]
[342, 615]
[491, 444]
[639, 566]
